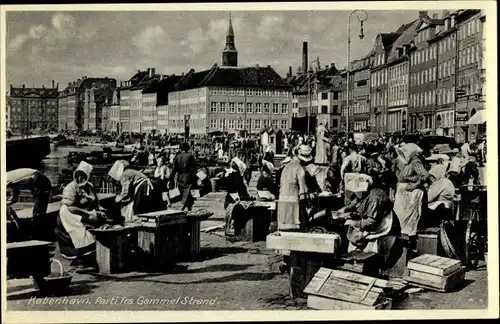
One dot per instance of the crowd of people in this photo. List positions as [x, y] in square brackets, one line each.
[388, 186]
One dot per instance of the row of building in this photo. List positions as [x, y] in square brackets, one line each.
[427, 74]
[430, 73]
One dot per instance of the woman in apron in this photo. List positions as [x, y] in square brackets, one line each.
[138, 195]
[79, 209]
[409, 199]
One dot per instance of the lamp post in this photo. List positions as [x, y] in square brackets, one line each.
[361, 35]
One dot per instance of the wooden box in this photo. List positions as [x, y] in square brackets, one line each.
[257, 225]
[305, 242]
[113, 249]
[360, 262]
[303, 267]
[28, 258]
[334, 289]
[434, 272]
[428, 241]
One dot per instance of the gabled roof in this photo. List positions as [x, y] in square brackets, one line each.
[135, 79]
[405, 38]
[146, 82]
[227, 76]
[388, 39]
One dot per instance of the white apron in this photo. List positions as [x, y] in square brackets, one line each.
[75, 228]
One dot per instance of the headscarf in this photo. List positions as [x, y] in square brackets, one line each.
[438, 171]
[85, 168]
[116, 171]
[241, 166]
[407, 152]
[357, 182]
[268, 166]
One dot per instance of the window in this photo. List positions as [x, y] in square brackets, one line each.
[213, 123]
[324, 95]
[266, 108]
[473, 54]
[239, 124]
[213, 107]
[249, 124]
[232, 108]
[241, 108]
[249, 107]
[469, 56]
[276, 109]
[222, 107]
[324, 109]
[258, 108]
[222, 123]
[274, 122]
[284, 109]
[335, 95]
[257, 123]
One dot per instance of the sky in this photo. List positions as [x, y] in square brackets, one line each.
[64, 46]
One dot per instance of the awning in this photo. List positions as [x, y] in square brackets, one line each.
[478, 118]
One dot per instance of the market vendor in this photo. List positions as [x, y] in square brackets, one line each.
[353, 163]
[265, 181]
[439, 198]
[161, 176]
[293, 195]
[138, 195]
[372, 227]
[232, 182]
[410, 194]
[79, 210]
[40, 188]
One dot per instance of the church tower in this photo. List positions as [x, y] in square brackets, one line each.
[230, 54]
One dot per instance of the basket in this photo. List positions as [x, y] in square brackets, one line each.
[54, 286]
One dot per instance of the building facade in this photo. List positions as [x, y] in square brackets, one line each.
[72, 100]
[96, 107]
[7, 111]
[361, 115]
[445, 40]
[379, 86]
[469, 72]
[33, 108]
[423, 74]
[114, 113]
[229, 99]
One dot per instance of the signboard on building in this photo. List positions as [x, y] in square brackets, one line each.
[460, 118]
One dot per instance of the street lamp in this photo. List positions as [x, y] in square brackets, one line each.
[361, 36]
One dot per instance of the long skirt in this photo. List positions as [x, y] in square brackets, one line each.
[408, 208]
[292, 215]
[147, 200]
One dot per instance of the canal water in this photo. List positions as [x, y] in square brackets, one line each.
[54, 163]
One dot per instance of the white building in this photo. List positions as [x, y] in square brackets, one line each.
[229, 99]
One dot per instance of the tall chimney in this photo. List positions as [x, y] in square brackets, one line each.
[304, 57]
[152, 71]
[422, 14]
[290, 71]
[53, 84]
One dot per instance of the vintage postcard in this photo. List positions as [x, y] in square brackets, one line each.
[249, 161]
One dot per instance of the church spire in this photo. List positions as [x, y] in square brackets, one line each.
[230, 54]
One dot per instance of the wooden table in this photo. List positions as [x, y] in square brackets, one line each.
[28, 258]
[308, 253]
[112, 248]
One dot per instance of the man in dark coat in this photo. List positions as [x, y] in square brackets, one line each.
[184, 167]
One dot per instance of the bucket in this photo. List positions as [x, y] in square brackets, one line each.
[215, 184]
[54, 285]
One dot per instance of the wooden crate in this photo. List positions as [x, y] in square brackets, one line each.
[304, 242]
[257, 225]
[360, 262]
[428, 241]
[113, 249]
[335, 289]
[434, 272]
[303, 267]
[28, 258]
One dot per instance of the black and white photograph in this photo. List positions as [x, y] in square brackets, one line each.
[249, 157]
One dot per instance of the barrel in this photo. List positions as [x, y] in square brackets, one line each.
[215, 184]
